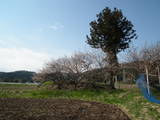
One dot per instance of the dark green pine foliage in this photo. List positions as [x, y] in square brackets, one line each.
[111, 31]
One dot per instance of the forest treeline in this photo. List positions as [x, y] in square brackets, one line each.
[17, 76]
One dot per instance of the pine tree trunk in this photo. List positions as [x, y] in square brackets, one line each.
[112, 67]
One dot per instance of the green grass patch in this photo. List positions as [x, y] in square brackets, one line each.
[129, 100]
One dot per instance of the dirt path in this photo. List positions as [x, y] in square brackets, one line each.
[58, 109]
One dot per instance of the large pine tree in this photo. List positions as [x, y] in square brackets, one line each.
[111, 32]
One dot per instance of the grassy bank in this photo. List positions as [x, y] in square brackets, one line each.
[128, 99]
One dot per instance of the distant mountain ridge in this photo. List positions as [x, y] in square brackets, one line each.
[17, 76]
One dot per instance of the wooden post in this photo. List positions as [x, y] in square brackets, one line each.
[116, 81]
[158, 74]
[148, 88]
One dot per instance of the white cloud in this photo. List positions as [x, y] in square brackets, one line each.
[56, 27]
[13, 59]
[53, 27]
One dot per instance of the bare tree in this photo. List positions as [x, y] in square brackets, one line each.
[146, 60]
[98, 57]
[80, 62]
[67, 69]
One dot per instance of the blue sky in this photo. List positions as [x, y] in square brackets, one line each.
[54, 28]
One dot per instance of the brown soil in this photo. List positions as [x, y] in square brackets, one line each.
[58, 109]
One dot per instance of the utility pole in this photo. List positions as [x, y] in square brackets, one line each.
[148, 88]
[158, 75]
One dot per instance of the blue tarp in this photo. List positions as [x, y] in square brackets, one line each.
[141, 83]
